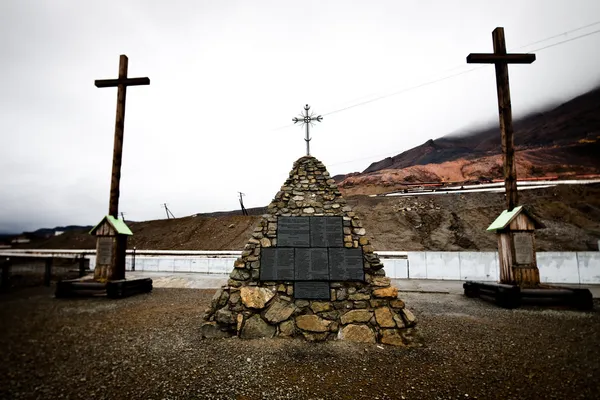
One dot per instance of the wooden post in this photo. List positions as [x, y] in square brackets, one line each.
[506, 127]
[113, 207]
[501, 59]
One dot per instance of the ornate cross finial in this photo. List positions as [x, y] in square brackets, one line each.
[307, 120]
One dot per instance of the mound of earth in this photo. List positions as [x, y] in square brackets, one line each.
[450, 222]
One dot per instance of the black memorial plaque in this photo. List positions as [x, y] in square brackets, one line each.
[312, 290]
[326, 232]
[312, 265]
[293, 232]
[276, 264]
[346, 265]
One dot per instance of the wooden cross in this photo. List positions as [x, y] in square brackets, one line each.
[501, 60]
[307, 120]
[122, 82]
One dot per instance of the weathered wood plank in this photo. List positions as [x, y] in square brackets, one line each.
[515, 58]
[103, 83]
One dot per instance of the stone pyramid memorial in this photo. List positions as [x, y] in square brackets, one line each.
[309, 271]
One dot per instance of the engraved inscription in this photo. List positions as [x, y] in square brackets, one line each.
[293, 232]
[312, 265]
[312, 290]
[105, 248]
[326, 232]
[276, 264]
[346, 264]
[523, 248]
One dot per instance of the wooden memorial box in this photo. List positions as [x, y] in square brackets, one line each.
[111, 246]
[516, 247]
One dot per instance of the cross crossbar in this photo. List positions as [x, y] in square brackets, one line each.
[516, 58]
[102, 83]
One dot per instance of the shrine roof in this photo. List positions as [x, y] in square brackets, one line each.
[118, 225]
[506, 217]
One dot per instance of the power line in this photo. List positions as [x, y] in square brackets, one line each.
[467, 71]
[566, 41]
[464, 72]
[559, 35]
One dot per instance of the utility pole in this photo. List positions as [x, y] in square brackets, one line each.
[167, 211]
[244, 211]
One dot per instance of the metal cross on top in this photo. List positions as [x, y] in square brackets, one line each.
[122, 82]
[307, 120]
[501, 60]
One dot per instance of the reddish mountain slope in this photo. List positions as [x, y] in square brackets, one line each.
[564, 140]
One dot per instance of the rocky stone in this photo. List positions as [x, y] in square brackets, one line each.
[256, 297]
[384, 317]
[287, 328]
[331, 315]
[279, 311]
[380, 281]
[397, 303]
[224, 316]
[312, 323]
[255, 328]
[359, 296]
[391, 337]
[234, 297]
[265, 242]
[302, 303]
[239, 274]
[357, 333]
[210, 330]
[308, 210]
[353, 316]
[342, 294]
[388, 292]
[361, 304]
[378, 303]
[409, 317]
[320, 306]
[399, 321]
[219, 299]
[363, 241]
[359, 231]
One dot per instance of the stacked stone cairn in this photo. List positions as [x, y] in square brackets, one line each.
[366, 311]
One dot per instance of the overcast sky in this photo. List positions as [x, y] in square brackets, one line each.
[227, 75]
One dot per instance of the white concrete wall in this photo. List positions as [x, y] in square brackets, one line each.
[196, 263]
[555, 267]
[479, 266]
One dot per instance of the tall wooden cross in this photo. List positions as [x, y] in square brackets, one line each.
[122, 82]
[501, 60]
[307, 120]
[111, 243]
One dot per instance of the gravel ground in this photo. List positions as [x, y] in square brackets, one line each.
[148, 347]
